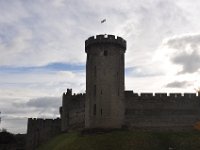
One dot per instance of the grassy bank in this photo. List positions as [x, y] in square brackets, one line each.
[125, 140]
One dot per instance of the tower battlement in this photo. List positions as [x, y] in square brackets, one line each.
[169, 96]
[103, 39]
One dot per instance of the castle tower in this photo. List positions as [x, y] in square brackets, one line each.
[64, 110]
[104, 106]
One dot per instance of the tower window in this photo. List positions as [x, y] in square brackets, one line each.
[101, 92]
[95, 90]
[101, 111]
[95, 71]
[94, 110]
[118, 91]
[105, 53]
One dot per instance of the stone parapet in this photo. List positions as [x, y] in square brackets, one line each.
[103, 39]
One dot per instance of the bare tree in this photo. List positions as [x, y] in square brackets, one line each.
[197, 90]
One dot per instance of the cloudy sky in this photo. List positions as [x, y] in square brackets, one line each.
[42, 50]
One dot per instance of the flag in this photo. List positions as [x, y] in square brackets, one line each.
[104, 20]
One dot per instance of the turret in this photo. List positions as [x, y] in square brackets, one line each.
[104, 81]
[65, 110]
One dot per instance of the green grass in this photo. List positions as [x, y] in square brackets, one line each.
[125, 140]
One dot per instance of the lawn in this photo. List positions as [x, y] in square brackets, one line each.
[125, 140]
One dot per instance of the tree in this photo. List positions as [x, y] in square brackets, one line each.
[197, 90]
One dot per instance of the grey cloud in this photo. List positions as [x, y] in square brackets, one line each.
[45, 102]
[189, 62]
[15, 114]
[182, 41]
[16, 109]
[45, 107]
[187, 52]
[14, 124]
[12, 12]
[142, 72]
[179, 84]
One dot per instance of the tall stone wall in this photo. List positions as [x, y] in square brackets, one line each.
[40, 131]
[73, 111]
[161, 110]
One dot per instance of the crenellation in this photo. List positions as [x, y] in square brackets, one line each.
[111, 37]
[91, 38]
[190, 95]
[77, 96]
[146, 95]
[120, 39]
[161, 95]
[164, 97]
[128, 93]
[69, 92]
[135, 95]
[175, 95]
[100, 37]
[105, 39]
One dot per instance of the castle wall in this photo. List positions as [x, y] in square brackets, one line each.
[41, 130]
[161, 111]
[172, 111]
[73, 111]
[77, 112]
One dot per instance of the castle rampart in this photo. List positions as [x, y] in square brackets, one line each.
[105, 39]
[173, 111]
[41, 130]
[73, 111]
[159, 111]
[170, 111]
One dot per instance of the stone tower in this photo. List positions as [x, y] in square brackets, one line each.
[64, 110]
[104, 107]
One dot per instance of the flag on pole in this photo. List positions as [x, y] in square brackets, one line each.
[104, 20]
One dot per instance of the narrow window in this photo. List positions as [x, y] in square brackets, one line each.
[105, 53]
[101, 92]
[95, 71]
[94, 110]
[95, 90]
[101, 111]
